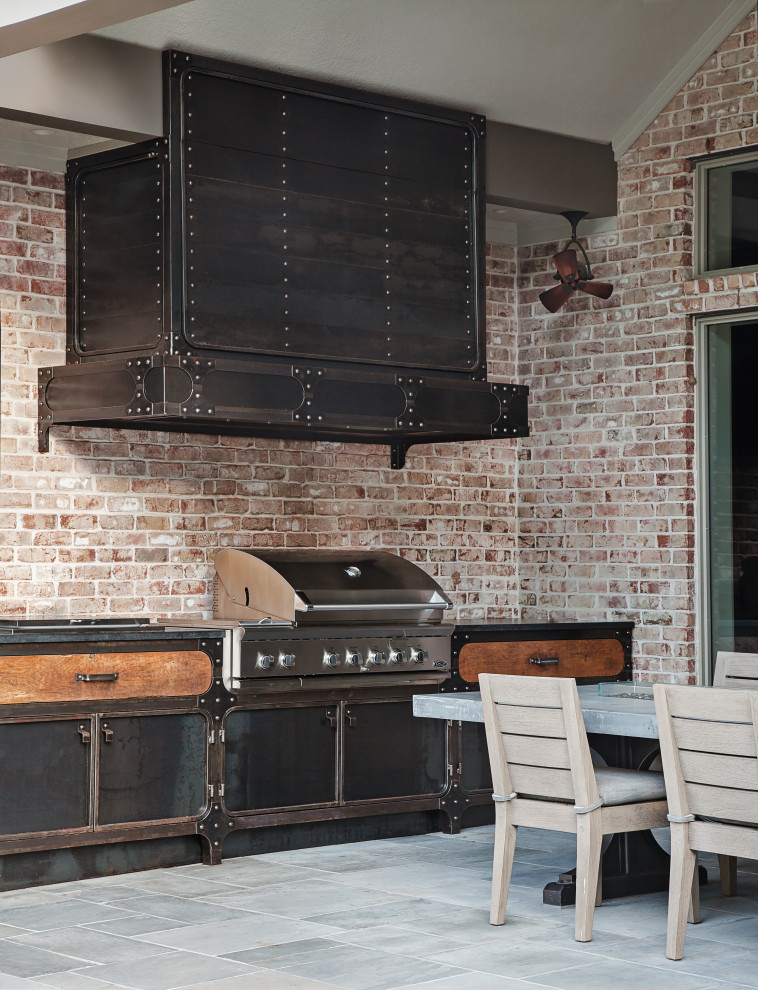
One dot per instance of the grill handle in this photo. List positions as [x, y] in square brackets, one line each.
[379, 606]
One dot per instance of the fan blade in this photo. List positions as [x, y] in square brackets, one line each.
[600, 289]
[553, 299]
[566, 263]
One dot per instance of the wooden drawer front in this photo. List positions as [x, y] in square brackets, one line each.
[576, 658]
[43, 678]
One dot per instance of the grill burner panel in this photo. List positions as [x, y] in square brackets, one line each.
[267, 652]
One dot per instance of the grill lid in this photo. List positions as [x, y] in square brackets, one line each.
[316, 587]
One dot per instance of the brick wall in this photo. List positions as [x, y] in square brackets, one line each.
[601, 500]
[127, 522]
[606, 481]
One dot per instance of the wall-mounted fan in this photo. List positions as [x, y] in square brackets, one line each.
[574, 275]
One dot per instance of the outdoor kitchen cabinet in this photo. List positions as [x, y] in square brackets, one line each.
[88, 773]
[105, 740]
[338, 753]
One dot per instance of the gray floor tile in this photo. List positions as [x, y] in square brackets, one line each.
[8, 982]
[403, 941]
[251, 871]
[26, 961]
[514, 959]
[225, 937]
[472, 926]
[182, 885]
[605, 973]
[90, 946]
[356, 968]
[307, 898]
[136, 924]
[168, 971]
[178, 909]
[71, 981]
[264, 980]
[388, 912]
[471, 981]
[61, 914]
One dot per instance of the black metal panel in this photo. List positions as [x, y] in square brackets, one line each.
[168, 384]
[116, 217]
[248, 390]
[440, 405]
[390, 753]
[277, 758]
[306, 182]
[45, 775]
[93, 391]
[152, 767]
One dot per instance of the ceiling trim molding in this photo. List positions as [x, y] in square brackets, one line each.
[498, 231]
[680, 75]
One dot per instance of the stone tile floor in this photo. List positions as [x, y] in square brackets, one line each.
[398, 914]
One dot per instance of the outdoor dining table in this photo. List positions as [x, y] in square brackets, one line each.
[623, 732]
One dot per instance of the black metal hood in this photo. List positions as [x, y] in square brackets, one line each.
[292, 260]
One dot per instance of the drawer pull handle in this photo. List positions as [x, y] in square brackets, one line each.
[540, 661]
[97, 677]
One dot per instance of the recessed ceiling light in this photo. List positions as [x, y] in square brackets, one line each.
[42, 131]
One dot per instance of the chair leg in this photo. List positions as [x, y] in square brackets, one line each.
[693, 917]
[683, 863]
[505, 847]
[728, 875]
[599, 891]
[589, 844]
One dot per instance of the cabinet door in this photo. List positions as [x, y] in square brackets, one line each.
[152, 767]
[45, 775]
[390, 753]
[281, 757]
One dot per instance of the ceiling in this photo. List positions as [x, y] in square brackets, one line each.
[594, 69]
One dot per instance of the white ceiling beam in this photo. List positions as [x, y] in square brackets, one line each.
[89, 85]
[43, 26]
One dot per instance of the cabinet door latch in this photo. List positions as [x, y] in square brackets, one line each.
[107, 733]
[85, 734]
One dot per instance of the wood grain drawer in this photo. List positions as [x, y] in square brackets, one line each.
[53, 677]
[560, 658]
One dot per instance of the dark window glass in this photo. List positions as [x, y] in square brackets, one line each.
[732, 233]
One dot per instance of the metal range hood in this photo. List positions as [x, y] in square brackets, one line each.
[293, 260]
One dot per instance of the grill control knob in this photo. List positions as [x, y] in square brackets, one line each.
[375, 656]
[354, 658]
[330, 659]
[418, 656]
[265, 660]
[397, 656]
[287, 659]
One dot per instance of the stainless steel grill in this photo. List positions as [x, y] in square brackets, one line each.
[308, 613]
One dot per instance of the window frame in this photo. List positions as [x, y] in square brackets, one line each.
[703, 166]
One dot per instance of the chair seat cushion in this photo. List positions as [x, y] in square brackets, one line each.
[617, 785]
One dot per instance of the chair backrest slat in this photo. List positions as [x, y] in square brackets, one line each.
[736, 738]
[533, 751]
[531, 720]
[736, 670]
[704, 777]
[708, 768]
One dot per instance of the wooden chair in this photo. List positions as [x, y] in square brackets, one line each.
[739, 670]
[543, 777]
[733, 670]
[708, 749]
